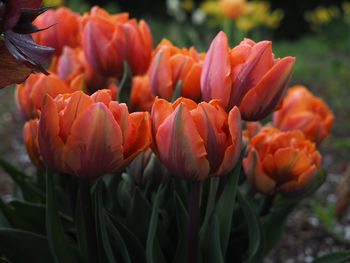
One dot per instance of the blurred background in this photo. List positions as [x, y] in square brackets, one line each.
[317, 33]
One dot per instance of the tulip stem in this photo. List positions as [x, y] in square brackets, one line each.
[267, 205]
[194, 222]
[89, 219]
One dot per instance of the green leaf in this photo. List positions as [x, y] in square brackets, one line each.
[80, 230]
[125, 85]
[133, 244]
[253, 226]
[273, 224]
[337, 257]
[225, 206]
[25, 215]
[29, 192]
[210, 242]
[58, 241]
[109, 237]
[23, 246]
[182, 219]
[177, 91]
[138, 215]
[153, 253]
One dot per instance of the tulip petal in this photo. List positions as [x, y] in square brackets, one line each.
[180, 146]
[216, 81]
[257, 177]
[233, 151]
[78, 103]
[161, 110]
[98, 149]
[51, 145]
[263, 99]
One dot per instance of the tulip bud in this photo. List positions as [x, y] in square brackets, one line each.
[111, 139]
[281, 162]
[169, 65]
[247, 76]
[109, 40]
[65, 31]
[196, 141]
[302, 111]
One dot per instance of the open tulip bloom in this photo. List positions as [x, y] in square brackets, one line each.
[169, 175]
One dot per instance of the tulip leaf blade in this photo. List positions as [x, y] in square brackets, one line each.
[225, 206]
[177, 91]
[153, 253]
[273, 224]
[336, 257]
[182, 220]
[22, 246]
[110, 238]
[254, 227]
[210, 242]
[30, 193]
[131, 241]
[125, 85]
[59, 244]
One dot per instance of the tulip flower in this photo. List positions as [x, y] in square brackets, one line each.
[281, 162]
[73, 67]
[302, 111]
[170, 65]
[195, 141]
[19, 53]
[30, 96]
[89, 136]
[142, 97]
[109, 40]
[247, 76]
[66, 31]
[30, 136]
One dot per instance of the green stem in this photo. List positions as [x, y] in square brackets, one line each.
[193, 235]
[89, 219]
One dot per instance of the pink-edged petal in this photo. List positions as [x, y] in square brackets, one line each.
[180, 147]
[252, 71]
[104, 96]
[215, 78]
[161, 110]
[51, 145]
[263, 99]
[97, 150]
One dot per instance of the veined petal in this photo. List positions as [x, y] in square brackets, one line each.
[51, 145]
[98, 149]
[263, 99]
[180, 146]
[161, 110]
[215, 78]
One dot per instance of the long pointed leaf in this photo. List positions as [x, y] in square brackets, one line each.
[337, 257]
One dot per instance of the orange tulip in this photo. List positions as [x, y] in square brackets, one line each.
[195, 141]
[108, 40]
[247, 76]
[64, 30]
[283, 162]
[30, 96]
[302, 111]
[142, 97]
[89, 136]
[169, 65]
[233, 8]
[30, 136]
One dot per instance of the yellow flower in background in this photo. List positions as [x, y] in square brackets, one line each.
[187, 5]
[53, 2]
[233, 8]
[212, 8]
[322, 16]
